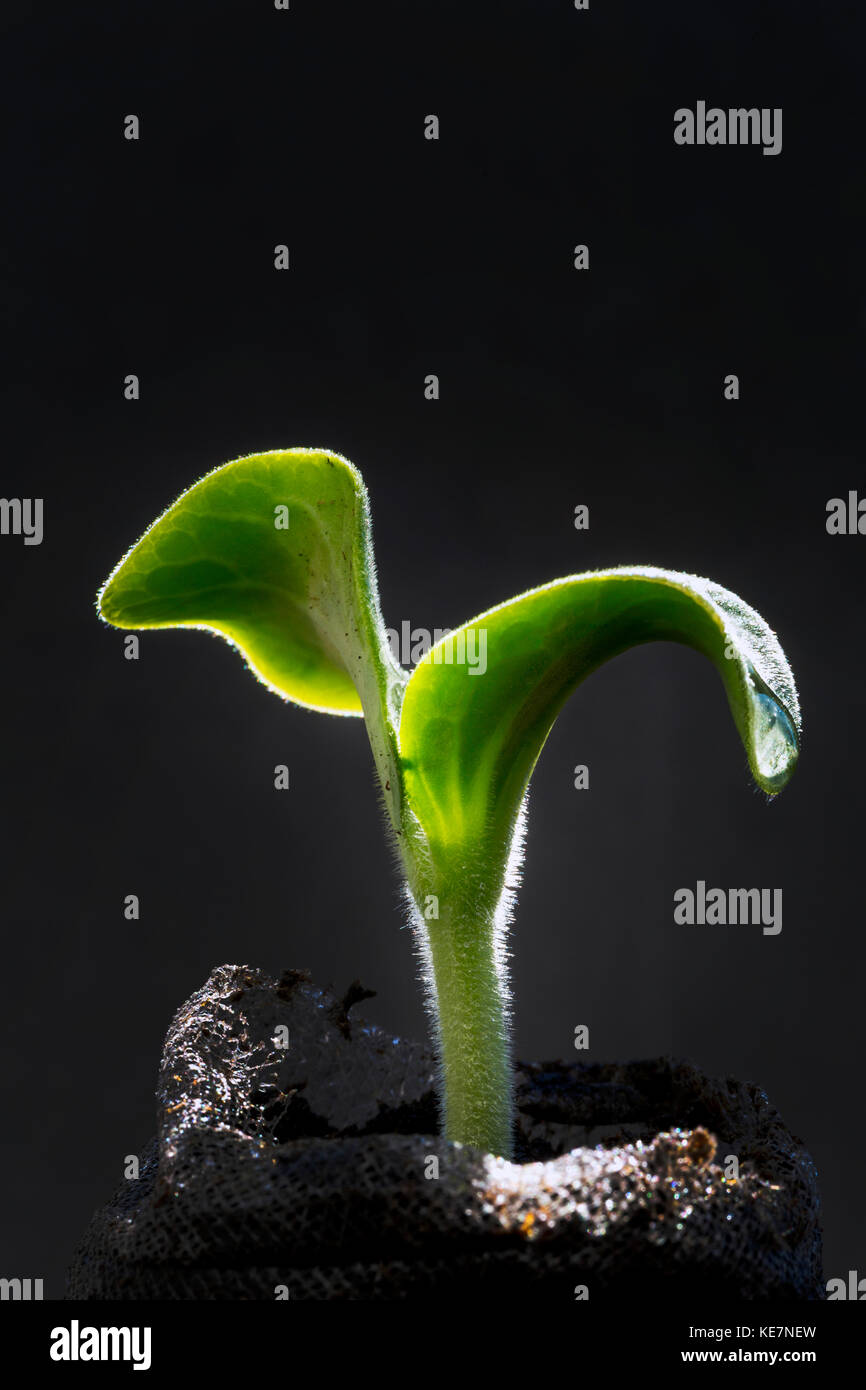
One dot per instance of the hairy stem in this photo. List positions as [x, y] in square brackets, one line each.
[468, 991]
[471, 1008]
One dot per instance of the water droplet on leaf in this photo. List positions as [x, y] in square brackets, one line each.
[776, 748]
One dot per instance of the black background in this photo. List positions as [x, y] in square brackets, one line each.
[411, 257]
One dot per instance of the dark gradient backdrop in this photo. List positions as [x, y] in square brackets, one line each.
[557, 387]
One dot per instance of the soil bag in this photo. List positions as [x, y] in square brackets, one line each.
[297, 1156]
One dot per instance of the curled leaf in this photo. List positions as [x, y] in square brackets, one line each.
[273, 552]
[469, 741]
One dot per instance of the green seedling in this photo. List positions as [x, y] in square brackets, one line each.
[274, 553]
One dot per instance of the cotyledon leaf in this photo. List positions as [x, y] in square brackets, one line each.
[469, 738]
[273, 551]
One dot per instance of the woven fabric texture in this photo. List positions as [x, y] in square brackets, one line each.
[297, 1156]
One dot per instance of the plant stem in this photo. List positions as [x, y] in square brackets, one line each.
[469, 996]
[471, 1008]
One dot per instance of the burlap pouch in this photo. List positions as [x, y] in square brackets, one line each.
[314, 1171]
